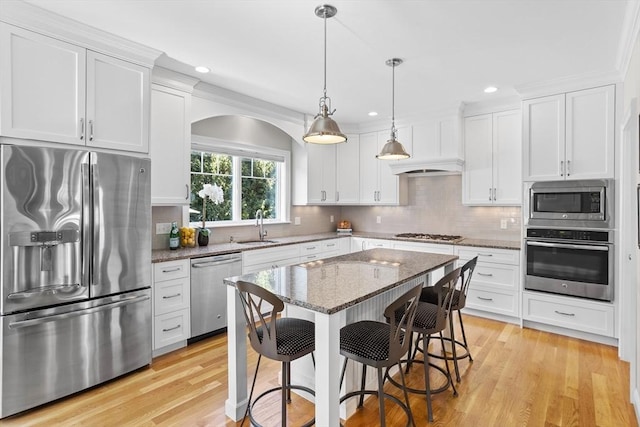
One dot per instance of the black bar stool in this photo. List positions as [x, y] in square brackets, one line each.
[283, 339]
[457, 304]
[381, 345]
[431, 319]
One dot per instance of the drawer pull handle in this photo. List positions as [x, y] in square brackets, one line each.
[481, 254]
[486, 274]
[171, 296]
[172, 329]
[485, 299]
[171, 270]
[330, 245]
[310, 248]
[565, 314]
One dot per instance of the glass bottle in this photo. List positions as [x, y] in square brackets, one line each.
[174, 236]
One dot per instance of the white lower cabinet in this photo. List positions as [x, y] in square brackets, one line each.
[171, 305]
[495, 284]
[572, 313]
[435, 248]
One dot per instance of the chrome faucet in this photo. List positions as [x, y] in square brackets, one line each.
[260, 223]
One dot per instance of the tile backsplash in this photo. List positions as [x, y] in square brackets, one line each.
[434, 206]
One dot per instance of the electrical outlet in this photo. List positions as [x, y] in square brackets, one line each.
[331, 218]
[378, 220]
[296, 220]
[163, 228]
[503, 224]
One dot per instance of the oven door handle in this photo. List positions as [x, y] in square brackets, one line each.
[569, 246]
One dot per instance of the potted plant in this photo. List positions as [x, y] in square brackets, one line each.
[216, 195]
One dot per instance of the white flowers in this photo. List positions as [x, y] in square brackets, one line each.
[213, 192]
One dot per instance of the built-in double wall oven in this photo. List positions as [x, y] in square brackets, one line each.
[569, 238]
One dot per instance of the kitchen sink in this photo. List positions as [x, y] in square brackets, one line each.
[256, 242]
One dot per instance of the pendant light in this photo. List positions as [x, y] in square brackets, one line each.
[324, 130]
[393, 149]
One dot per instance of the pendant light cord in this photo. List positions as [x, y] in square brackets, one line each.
[393, 100]
[324, 91]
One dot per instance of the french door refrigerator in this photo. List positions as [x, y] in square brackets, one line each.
[76, 271]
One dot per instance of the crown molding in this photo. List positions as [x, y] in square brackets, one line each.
[247, 103]
[568, 84]
[33, 18]
[630, 31]
[493, 106]
[165, 77]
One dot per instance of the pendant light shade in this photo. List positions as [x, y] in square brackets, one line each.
[393, 149]
[324, 130]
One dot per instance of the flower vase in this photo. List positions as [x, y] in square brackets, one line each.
[203, 237]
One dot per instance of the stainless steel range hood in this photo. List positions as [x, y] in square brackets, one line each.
[417, 167]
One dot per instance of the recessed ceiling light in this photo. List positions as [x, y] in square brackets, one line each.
[490, 89]
[372, 113]
[202, 69]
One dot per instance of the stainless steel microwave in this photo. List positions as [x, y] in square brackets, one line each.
[579, 203]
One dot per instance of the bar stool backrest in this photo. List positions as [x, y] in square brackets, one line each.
[254, 300]
[467, 272]
[445, 288]
[400, 315]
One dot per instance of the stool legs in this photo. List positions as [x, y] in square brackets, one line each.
[464, 337]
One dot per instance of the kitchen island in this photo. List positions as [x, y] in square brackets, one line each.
[331, 292]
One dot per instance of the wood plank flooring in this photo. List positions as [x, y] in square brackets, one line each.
[519, 377]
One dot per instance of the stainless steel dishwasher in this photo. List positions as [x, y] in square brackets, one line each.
[209, 293]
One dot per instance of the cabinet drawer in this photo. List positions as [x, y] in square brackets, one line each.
[503, 256]
[501, 276]
[269, 255]
[311, 248]
[329, 245]
[171, 270]
[435, 248]
[171, 295]
[492, 301]
[581, 315]
[171, 328]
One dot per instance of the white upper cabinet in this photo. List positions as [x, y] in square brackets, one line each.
[492, 172]
[570, 136]
[42, 87]
[435, 139]
[170, 146]
[314, 174]
[55, 91]
[118, 99]
[348, 171]
[378, 184]
[321, 166]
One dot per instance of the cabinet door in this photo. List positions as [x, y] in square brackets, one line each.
[543, 133]
[590, 133]
[321, 169]
[170, 146]
[42, 87]
[507, 158]
[478, 165]
[348, 171]
[117, 104]
[368, 168]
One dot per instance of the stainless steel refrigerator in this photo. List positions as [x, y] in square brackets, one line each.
[76, 271]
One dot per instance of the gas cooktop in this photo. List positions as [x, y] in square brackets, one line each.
[427, 236]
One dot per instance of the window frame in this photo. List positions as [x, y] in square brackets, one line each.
[238, 149]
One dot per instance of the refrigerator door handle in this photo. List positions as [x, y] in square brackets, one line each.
[87, 230]
[76, 313]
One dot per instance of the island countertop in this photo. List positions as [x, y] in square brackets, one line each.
[328, 286]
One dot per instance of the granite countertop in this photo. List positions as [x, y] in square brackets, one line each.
[483, 243]
[162, 255]
[322, 285]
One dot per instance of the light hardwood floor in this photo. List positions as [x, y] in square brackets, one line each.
[519, 377]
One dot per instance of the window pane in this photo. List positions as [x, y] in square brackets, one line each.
[247, 167]
[259, 192]
[196, 163]
[209, 163]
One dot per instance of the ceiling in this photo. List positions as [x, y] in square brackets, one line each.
[452, 49]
